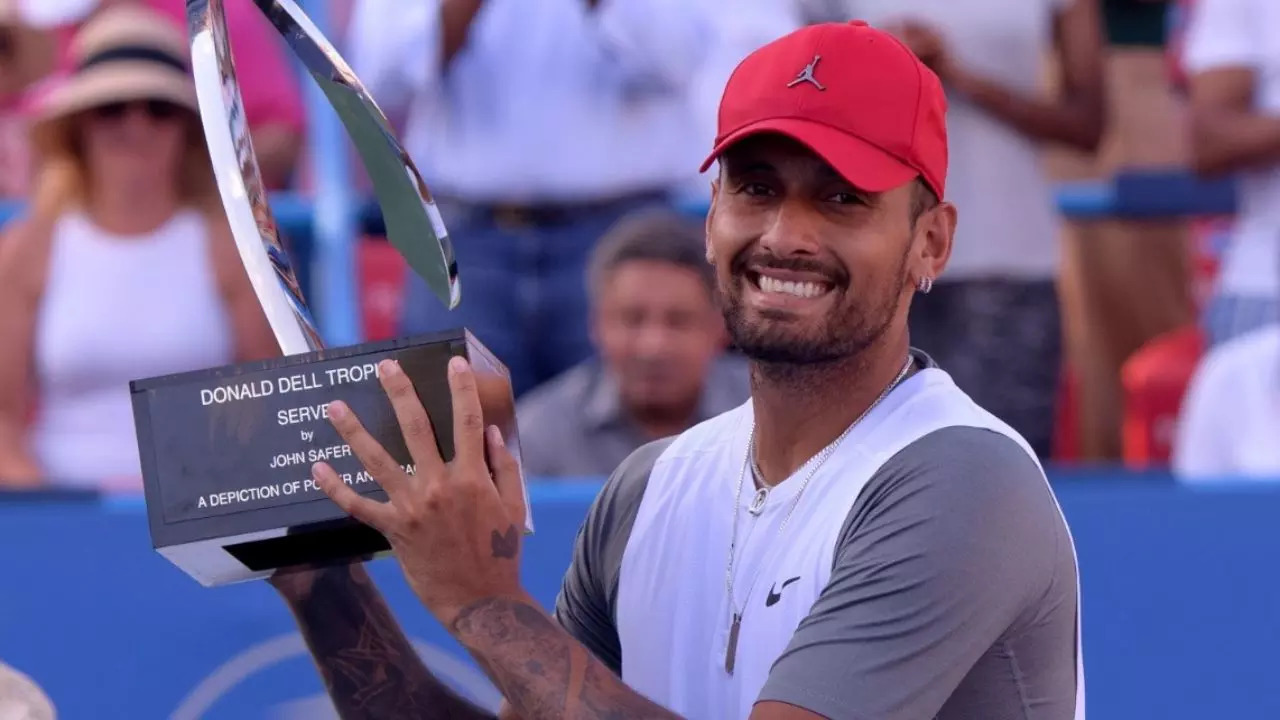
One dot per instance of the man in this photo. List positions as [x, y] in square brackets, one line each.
[859, 541]
[536, 130]
[998, 304]
[1232, 57]
[1230, 416]
[661, 369]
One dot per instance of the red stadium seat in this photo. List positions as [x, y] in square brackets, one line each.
[1154, 379]
[382, 273]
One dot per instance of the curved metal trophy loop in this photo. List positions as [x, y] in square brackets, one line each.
[244, 197]
[414, 225]
[413, 221]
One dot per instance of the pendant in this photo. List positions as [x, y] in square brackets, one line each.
[757, 503]
[731, 654]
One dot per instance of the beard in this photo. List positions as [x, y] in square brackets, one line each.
[778, 340]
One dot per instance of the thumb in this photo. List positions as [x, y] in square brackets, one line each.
[507, 476]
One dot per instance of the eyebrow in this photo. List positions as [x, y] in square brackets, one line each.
[746, 166]
[742, 167]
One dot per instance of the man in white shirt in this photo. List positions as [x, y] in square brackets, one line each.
[537, 126]
[860, 540]
[993, 322]
[1229, 423]
[1232, 58]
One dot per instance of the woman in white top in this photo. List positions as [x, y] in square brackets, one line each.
[123, 267]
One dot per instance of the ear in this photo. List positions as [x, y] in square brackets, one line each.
[711, 214]
[934, 236]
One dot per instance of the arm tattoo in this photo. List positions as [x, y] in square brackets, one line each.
[542, 671]
[369, 667]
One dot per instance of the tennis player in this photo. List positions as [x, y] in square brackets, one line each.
[859, 541]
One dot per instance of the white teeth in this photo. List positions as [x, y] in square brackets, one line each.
[798, 289]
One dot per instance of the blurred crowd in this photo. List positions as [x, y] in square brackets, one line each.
[562, 140]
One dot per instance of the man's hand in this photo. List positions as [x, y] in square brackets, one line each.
[927, 43]
[455, 527]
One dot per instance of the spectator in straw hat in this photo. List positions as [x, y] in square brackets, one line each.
[123, 266]
[27, 55]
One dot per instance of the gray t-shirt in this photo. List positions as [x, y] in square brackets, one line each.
[952, 593]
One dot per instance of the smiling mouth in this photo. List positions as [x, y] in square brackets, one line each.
[802, 289]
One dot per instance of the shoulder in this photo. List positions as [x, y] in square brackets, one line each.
[548, 405]
[962, 469]
[619, 499]
[1227, 376]
[24, 254]
[969, 500]
[1240, 357]
[212, 227]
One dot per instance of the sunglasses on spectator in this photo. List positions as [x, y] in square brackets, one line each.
[6, 43]
[156, 109]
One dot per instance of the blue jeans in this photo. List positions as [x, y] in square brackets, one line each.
[524, 292]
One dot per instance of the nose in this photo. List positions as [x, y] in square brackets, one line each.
[651, 340]
[793, 230]
[136, 116]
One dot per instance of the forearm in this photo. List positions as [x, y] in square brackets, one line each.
[1228, 141]
[541, 670]
[369, 667]
[1073, 123]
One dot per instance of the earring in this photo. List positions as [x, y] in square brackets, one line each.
[925, 285]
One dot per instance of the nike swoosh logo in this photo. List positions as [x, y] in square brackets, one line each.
[775, 593]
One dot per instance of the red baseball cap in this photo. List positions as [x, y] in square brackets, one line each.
[853, 94]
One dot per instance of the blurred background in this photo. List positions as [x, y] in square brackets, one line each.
[1114, 295]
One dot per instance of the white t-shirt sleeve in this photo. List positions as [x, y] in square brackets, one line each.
[1223, 33]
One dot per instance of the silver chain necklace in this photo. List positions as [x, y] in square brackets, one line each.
[814, 464]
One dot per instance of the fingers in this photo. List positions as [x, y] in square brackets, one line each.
[506, 476]
[468, 420]
[366, 510]
[415, 424]
[375, 459]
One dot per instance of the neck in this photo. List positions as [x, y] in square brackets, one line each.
[660, 422]
[117, 209]
[795, 416]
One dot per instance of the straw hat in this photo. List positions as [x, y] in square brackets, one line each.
[33, 52]
[126, 52]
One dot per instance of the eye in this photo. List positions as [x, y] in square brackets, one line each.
[755, 189]
[846, 198]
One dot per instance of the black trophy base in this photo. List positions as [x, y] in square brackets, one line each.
[227, 452]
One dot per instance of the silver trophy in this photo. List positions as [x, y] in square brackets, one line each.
[226, 452]
[414, 225]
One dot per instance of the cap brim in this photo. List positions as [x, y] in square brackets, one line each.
[864, 165]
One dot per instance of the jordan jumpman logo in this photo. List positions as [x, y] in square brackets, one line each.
[806, 75]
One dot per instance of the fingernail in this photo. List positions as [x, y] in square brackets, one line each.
[389, 367]
[457, 364]
[495, 435]
[337, 409]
